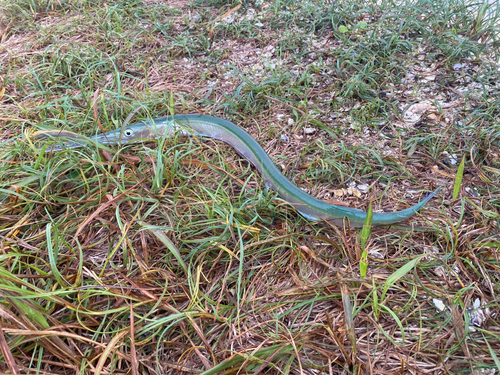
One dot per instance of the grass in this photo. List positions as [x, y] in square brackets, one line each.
[172, 257]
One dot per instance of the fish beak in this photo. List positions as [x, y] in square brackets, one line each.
[64, 139]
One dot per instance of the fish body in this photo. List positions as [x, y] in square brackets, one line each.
[217, 128]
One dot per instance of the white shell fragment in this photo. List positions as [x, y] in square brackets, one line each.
[376, 253]
[451, 159]
[363, 188]
[478, 314]
[439, 304]
[351, 190]
[472, 192]
[416, 111]
[339, 192]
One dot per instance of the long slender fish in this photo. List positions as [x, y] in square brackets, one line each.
[214, 127]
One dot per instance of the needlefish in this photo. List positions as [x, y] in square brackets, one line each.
[213, 127]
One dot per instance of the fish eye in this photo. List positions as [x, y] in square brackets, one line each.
[128, 132]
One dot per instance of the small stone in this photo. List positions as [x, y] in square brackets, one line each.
[309, 131]
[457, 66]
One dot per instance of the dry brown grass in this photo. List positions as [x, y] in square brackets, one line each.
[89, 280]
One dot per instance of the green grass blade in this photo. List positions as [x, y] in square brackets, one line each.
[53, 251]
[400, 273]
[158, 233]
[367, 227]
[277, 351]
[493, 354]
[458, 179]
[365, 235]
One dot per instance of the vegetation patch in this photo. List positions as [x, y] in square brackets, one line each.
[171, 256]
